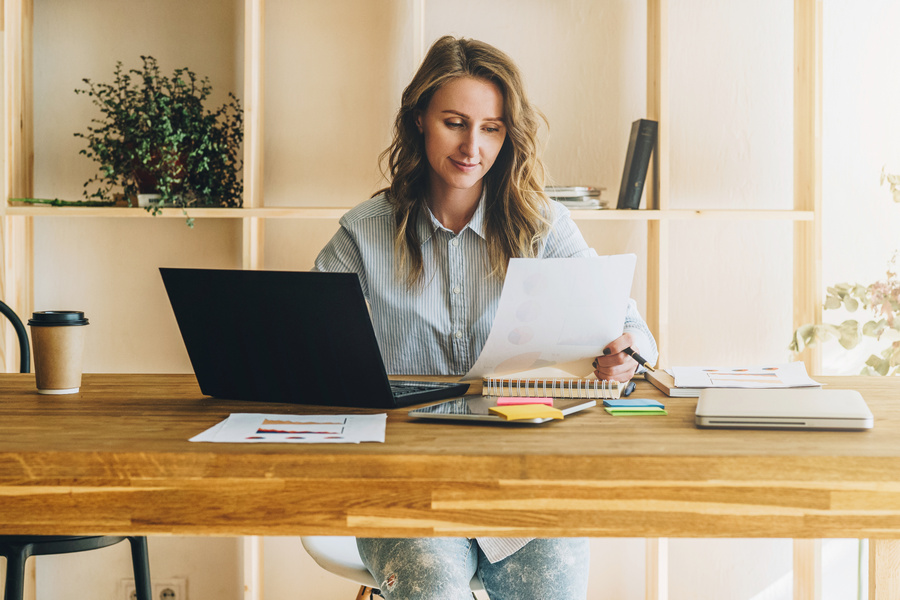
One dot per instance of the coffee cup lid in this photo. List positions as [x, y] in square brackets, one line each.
[57, 318]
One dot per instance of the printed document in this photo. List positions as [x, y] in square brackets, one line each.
[555, 315]
[248, 428]
[767, 376]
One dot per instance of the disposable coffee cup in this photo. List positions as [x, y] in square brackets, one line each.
[58, 340]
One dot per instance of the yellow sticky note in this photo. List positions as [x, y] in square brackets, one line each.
[521, 412]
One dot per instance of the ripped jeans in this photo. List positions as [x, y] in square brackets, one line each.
[440, 569]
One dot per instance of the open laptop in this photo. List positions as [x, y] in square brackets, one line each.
[783, 408]
[282, 336]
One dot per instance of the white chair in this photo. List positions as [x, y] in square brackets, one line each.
[338, 555]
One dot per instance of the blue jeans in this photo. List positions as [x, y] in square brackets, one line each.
[440, 569]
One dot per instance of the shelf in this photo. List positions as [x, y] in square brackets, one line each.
[689, 214]
[336, 213]
[197, 213]
[804, 213]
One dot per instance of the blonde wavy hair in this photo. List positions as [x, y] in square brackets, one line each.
[516, 207]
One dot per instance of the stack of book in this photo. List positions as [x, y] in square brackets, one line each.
[577, 197]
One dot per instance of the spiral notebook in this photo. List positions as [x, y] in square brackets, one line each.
[552, 388]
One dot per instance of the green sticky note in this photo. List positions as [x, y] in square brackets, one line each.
[632, 402]
[636, 411]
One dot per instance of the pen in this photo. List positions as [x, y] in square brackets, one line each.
[641, 360]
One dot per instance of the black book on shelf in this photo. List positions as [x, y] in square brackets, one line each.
[637, 160]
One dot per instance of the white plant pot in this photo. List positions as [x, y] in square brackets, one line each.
[147, 200]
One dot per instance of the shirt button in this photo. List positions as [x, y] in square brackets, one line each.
[459, 334]
[454, 242]
[456, 290]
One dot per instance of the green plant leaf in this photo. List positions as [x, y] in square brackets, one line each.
[874, 328]
[848, 334]
[878, 364]
[155, 132]
[802, 338]
[892, 354]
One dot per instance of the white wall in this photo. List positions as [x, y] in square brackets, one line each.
[731, 85]
[861, 135]
[334, 76]
[208, 564]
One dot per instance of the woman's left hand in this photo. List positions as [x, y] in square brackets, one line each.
[615, 364]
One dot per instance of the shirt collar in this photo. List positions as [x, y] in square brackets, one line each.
[428, 223]
[476, 224]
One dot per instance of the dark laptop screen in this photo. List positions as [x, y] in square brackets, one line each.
[279, 336]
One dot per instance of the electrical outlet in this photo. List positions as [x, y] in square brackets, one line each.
[174, 588]
[127, 590]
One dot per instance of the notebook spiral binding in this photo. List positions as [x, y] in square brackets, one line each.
[552, 388]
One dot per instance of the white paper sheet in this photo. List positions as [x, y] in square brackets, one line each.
[555, 315]
[782, 375]
[250, 428]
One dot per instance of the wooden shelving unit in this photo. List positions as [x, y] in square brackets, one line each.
[16, 222]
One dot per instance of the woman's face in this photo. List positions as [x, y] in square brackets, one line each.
[464, 131]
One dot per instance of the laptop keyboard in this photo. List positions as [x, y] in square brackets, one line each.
[402, 389]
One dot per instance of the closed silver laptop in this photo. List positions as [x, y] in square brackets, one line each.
[791, 408]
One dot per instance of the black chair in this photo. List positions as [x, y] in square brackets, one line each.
[17, 548]
[24, 347]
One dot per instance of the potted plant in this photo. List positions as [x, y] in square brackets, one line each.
[880, 299]
[155, 136]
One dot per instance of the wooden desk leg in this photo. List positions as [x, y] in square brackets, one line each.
[656, 576]
[884, 569]
[253, 567]
[31, 579]
[807, 569]
[365, 593]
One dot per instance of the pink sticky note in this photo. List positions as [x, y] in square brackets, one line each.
[514, 401]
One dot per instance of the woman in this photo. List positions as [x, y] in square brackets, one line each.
[431, 252]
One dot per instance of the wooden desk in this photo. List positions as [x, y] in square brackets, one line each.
[115, 459]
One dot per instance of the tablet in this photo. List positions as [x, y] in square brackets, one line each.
[475, 408]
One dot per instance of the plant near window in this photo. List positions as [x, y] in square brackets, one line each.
[882, 301]
[156, 136]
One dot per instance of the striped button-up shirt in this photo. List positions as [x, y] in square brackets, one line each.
[439, 327]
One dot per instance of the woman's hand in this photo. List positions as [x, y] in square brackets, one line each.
[615, 364]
